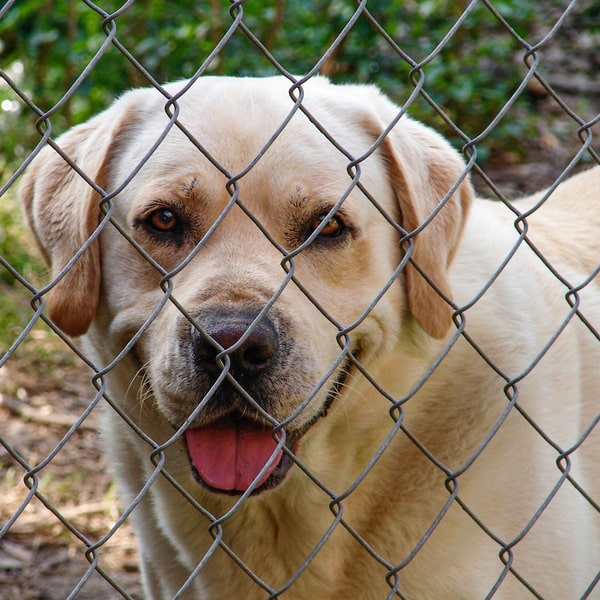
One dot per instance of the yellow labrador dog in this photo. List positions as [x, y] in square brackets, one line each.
[339, 375]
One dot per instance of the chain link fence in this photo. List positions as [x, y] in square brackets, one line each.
[67, 533]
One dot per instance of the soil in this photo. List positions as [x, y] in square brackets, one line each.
[39, 558]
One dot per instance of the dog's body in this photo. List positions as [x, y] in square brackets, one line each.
[468, 450]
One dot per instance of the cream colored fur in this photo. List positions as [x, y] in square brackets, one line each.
[113, 292]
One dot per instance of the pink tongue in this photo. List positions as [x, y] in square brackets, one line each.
[229, 455]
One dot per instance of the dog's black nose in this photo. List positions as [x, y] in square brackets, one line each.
[250, 358]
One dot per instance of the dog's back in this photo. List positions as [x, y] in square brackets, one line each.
[567, 226]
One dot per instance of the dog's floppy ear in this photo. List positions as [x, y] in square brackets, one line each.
[423, 167]
[62, 210]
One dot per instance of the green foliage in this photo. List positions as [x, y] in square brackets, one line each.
[14, 241]
[470, 78]
[15, 311]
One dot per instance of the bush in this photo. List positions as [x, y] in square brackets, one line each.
[471, 78]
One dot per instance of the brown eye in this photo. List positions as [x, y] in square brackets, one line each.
[163, 220]
[333, 226]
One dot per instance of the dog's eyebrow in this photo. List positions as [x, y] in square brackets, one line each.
[191, 186]
[300, 197]
[299, 201]
[186, 189]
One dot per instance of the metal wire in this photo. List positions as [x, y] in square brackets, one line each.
[349, 357]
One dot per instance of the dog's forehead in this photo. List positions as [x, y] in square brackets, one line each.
[234, 122]
[251, 127]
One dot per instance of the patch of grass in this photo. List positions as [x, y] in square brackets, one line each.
[39, 350]
[15, 310]
[16, 244]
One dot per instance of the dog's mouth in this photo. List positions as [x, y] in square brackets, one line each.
[235, 453]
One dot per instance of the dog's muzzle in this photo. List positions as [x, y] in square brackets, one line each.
[240, 447]
[237, 444]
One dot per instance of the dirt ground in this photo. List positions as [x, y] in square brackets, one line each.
[40, 558]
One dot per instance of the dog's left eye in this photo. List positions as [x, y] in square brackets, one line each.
[334, 226]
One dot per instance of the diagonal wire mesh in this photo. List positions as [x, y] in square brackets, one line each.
[56, 543]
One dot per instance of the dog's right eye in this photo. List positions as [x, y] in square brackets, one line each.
[162, 220]
[164, 223]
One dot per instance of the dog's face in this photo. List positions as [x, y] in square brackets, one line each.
[258, 273]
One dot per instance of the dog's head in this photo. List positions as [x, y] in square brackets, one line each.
[260, 263]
